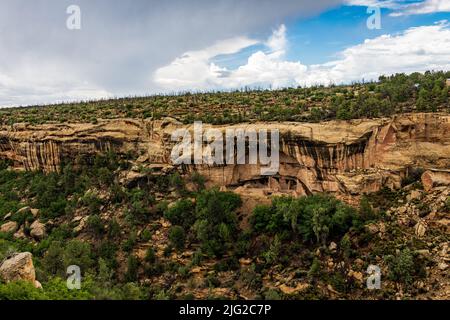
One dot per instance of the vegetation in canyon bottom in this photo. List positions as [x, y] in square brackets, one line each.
[159, 239]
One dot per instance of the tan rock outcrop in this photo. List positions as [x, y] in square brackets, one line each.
[347, 157]
[20, 234]
[37, 230]
[420, 229]
[432, 179]
[9, 227]
[18, 267]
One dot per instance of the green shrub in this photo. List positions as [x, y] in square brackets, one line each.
[5, 164]
[56, 208]
[346, 246]
[20, 290]
[104, 177]
[53, 261]
[176, 181]
[272, 294]
[315, 268]
[181, 213]
[22, 217]
[227, 264]
[150, 255]
[177, 237]
[212, 281]
[61, 232]
[316, 217]
[183, 271]
[78, 253]
[92, 202]
[167, 250]
[273, 254]
[118, 195]
[131, 291]
[198, 180]
[95, 224]
[216, 226]
[56, 289]
[113, 229]
[132, 269]
[265, 219]
[401, 266]
[197, 258]
[130, 242]
[139, 205]
[107, 251]
[250, 278]
[146, 235]
[366, 211]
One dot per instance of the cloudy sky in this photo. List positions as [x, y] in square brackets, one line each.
[136, 47]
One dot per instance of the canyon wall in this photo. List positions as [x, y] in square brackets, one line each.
[348, 157]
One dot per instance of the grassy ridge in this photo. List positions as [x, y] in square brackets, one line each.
[394, 94]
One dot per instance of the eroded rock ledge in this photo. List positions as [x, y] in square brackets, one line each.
[338, 156]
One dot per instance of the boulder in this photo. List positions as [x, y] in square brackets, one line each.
[332, 246]
[82, 224]
[358, 276]
[293, 290]
[414, 195]
[372, 228]
[77, 219]
[420, 229]
[35, 212]
[37, 230]
[9, 227]
[20, 234]
[432, 179]
[402, 210]
[37, 284]
[442, 266]
[18, 267]
[132, 178]
[245, 262]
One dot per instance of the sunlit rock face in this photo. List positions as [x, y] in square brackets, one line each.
[348, 157]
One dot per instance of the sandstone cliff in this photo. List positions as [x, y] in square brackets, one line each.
[338, 156]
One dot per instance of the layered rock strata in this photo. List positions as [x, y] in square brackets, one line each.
[348, 157]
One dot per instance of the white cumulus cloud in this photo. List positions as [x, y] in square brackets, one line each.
[404, 7]
[194, 70]
[390, 4]
[426, 7]
[416, 49]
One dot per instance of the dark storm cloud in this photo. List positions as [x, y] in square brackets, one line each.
[121, 41]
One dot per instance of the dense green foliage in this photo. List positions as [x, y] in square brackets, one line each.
[129, 250]
[317, 218]
[216, 225]
[402, 266]
[181, 213]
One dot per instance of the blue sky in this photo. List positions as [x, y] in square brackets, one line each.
[318, 39]
[137, 47]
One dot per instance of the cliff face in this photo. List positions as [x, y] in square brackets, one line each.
[347, 157]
